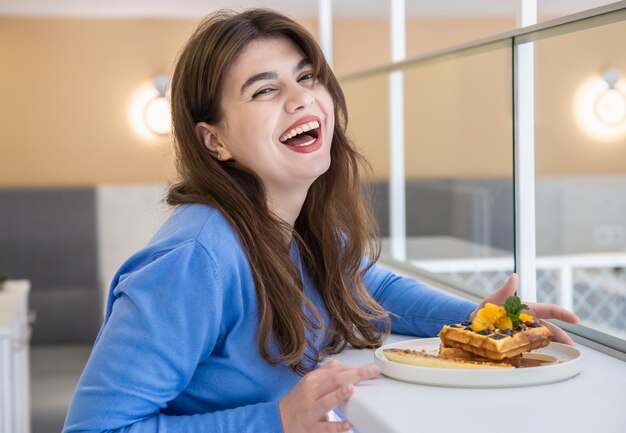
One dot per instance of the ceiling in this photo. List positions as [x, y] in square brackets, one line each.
[300, 8]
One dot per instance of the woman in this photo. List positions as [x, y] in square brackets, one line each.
[266, 264]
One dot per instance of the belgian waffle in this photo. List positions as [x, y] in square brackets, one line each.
[496, 344]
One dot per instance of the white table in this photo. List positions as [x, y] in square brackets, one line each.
[14, 365]
[593, 401]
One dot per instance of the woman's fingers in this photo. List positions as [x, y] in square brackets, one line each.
[338, 388]
[333, 427]
[509, 288]
[343, 378]
[499, 296]
[334, 365]
[551, 311]
[558, 334]
[304, 408]
[334, 399]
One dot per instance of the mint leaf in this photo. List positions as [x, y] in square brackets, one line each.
[513, 306]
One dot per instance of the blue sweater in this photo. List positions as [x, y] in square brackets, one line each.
[178, 348]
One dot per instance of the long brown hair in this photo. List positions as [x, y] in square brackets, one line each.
[335, 231]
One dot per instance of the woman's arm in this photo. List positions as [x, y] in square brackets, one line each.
[416, 308]
[261, 417]
[164, 321]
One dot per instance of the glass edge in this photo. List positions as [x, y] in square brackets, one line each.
[438, 56]
[584, 23]
[594, 336]
[602, 15]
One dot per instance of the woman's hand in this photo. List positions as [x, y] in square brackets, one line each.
[304, 408]
[540, 311]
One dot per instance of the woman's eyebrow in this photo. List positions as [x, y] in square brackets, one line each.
[302, 64]
[258, 77]
[272, 75]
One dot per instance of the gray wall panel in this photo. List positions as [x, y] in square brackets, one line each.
[49, 236]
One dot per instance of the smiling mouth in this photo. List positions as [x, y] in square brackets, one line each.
[302, 135]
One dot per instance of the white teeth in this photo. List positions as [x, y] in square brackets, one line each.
[299, 130]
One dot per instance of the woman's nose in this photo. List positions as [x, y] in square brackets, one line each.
[298, 98]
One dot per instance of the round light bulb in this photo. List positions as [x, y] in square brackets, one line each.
[157, 116]
[610, 106]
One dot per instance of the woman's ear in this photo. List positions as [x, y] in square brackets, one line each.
[207, 134]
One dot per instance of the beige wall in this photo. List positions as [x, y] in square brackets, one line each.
[363, 43]
[65, 89]
[65, 86]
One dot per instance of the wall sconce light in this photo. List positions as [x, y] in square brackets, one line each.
[610, 107]
[599, 106]
[156, 113]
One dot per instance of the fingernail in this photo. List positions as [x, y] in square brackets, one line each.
[346, 426]
[347, 390]
[373, 369]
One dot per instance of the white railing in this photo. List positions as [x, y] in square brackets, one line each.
[14, 363]
[591, 285]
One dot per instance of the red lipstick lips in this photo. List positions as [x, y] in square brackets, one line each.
[297, 137]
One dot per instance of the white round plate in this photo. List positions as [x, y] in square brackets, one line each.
[569, 364]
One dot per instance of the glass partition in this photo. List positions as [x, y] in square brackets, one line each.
[580, 162]
[459, 166]
[368, 120]
[368, 127]
[462, 195]
[458, 161]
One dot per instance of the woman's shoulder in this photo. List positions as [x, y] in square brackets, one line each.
[199, 223]
[193, 234]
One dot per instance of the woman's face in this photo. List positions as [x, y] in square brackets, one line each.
[277, 120]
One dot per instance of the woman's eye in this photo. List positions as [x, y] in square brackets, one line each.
[306, 77]
[264, 91]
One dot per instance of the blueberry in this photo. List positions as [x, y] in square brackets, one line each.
[485, 332]
[508, 332]
[468, 328]
[534, 325]
[466, 322]
[497, 336]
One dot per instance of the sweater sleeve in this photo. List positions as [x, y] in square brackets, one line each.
[164, 321]
[415, 308]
